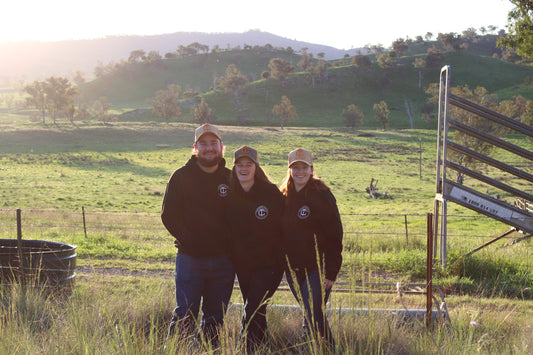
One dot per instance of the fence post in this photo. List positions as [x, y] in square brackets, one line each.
[406, 231]
[19, 245]
[429, 269]
[84, 225]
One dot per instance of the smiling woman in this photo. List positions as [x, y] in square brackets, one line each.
[254, 215]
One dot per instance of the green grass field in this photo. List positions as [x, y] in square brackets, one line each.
[116, 174]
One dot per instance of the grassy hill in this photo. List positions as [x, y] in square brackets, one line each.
[320, 105]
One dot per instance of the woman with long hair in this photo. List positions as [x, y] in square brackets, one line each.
[312, 243]
[254, 213]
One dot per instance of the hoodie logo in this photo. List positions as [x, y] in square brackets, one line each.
[304, 212]
[261, 212]
[223, 190]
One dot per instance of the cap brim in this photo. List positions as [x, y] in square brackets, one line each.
[299, 161]
[203, 134]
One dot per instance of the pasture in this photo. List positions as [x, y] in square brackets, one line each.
[123, 297]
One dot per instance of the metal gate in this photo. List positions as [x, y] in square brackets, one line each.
[520, 218]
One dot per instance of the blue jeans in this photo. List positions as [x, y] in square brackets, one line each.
[307, 289]
[207, 281]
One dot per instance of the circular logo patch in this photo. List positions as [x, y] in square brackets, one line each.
[261, 212]
[304, 212]
[223, 190]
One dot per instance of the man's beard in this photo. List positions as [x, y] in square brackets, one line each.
[208, 163]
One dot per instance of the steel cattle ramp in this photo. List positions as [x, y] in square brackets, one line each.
[520, 219]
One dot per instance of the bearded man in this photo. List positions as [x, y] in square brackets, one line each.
[194, 213]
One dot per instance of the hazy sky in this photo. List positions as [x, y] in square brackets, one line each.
[339, 23]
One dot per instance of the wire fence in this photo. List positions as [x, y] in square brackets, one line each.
[386, 231]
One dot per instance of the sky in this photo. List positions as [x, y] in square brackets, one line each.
[342, 24]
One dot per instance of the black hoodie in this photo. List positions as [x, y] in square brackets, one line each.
[311, 221]
[194, 209]
[255, 222]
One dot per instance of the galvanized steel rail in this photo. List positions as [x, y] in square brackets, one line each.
[446, 190]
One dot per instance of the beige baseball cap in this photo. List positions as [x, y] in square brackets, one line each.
[247, 152]
[204, 129]
[303, 155]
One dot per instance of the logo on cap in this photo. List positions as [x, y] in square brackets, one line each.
[247, 152]
[304, 212]
[223, 190]
[261, 212]
[204, 129]
[302, 155]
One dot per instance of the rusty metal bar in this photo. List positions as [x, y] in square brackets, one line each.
[489, 114]
[492, 241]
[429, 268]
[490, 161]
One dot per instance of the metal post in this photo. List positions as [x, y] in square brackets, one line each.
[429, 269]
[84, 225]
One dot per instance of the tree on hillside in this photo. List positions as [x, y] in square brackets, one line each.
[382, 113]
[280, 69]
[37, 97]
[434, 56]
[54, 96]
[186, 51]
[165, 103]
[449, 41]
[233, 81]
[306, 63]
[517, 107]
[428, 36]
[203, 113]
[361, 61]
[199, 47]
[510, 55]
[81, 112]
[285, 111]
[377, 49]
[153, 57]
[100, 109]
[60, 94]
[136, 56]
[353, 116]
[520, 26]
[400, 46]
[470, 33]
[319, 71]
[385, 61]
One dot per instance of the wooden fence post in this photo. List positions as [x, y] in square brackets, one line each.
[19, 245]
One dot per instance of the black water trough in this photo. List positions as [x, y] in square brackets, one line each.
[44, 263]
